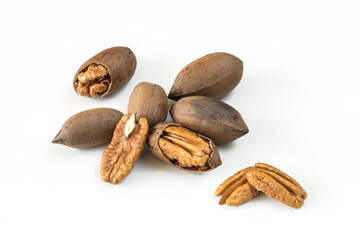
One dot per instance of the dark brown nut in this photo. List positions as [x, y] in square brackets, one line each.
[213, 75]
[246, 184]
[209, 117]
[89, 128]
[183, 148]
[125, 148]
[148, 100]
[105, 73]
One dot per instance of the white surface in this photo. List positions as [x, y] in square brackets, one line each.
[299, 96]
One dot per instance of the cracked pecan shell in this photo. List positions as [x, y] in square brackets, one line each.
[125, 148]
[183, 148]
[105, 73]
[88, 128]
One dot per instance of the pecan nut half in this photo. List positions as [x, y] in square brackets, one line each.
[276, 184]
[125, 148]
[183, 148]
[247, 183]
[234, 184]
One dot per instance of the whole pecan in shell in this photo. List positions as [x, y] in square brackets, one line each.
[125, 148]
[149, 100]
[213, 75]
[210, 117]
[88, 128]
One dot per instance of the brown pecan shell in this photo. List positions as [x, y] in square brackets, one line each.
[158, 132]
[210, 117]
[149, 100]
[119, 61]
[213, 75]
[88, 128]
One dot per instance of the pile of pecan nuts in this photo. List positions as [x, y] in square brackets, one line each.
[200, 122]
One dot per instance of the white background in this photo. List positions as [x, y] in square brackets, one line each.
[299, 97]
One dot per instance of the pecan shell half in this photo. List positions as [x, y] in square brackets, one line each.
[125, 148]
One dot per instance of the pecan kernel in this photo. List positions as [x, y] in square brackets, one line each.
[120, 156]
[246, 184]
[184, 146]
[93, 80]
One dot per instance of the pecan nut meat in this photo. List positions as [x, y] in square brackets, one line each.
[183, 148]
[272, 171]
[93, 80]
[276, 184]
[247, 183]
[125, 148]
[234, 184]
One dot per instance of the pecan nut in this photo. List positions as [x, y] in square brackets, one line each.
[247, 183]
[149, 100]
[210, 117]
[276, 184]
[89, 128]
[213, 75]
[183, 148]
[105, 73]
[93, 80]
[234, 184]
[125, 148]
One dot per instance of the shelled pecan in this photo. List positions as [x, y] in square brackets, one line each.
[246, 183]
[233, 184]
[125, 148]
